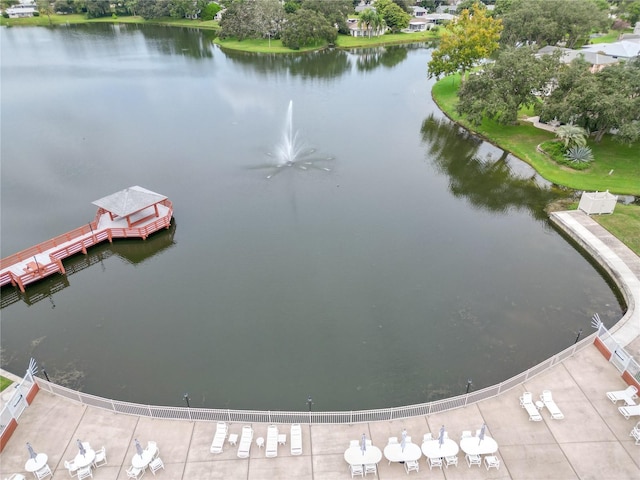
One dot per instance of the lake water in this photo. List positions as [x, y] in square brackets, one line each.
[400, 259]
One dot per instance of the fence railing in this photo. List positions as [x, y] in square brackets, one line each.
[344, 417]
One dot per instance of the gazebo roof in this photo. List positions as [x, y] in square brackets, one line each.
[128, 201]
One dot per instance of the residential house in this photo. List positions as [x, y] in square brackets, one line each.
[356, 30]
[21, 10]
[597, 60]
[624, 49]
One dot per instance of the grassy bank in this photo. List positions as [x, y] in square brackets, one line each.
[43, 21]
[616, 167]
[4, 383]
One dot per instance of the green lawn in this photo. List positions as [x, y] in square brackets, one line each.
[624, 224]
[616, 167]
[43, 21]
[347, 41]
[4, 383]
[260, 46]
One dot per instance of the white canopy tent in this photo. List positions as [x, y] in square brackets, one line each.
[597, 202]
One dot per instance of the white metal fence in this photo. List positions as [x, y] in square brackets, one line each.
[346, 417]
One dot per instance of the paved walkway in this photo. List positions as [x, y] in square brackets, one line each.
[591, 442]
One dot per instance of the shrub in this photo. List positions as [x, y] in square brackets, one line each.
[577, 154]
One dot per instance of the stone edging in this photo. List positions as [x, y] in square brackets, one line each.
[628, 327]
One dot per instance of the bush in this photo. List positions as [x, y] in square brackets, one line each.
[36, 14]
[578, 154]
[556, 151]
[5, 14]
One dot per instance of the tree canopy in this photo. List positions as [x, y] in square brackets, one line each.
[506, 85]
[601, 101]
[252, 19]
[306, 27]
[547, 22]
[471, 37]
[394, 16]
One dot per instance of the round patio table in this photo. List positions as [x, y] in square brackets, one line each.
[433, 449]
[355, 455]
[85, 460]
[475, 446]
[35, 464]
[142, 461]
[394, 452]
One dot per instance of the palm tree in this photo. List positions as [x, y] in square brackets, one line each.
[371, 20]
[572, 135]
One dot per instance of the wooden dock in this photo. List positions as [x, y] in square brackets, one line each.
[132, 213]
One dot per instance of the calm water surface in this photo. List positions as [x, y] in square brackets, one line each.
[405, 258]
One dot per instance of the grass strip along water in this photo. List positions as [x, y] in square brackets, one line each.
[616, 167]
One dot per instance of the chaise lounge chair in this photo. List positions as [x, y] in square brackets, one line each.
[219, 437]
[296, 439]
[526, 402]
[272, 442]
[547, 399]
[628, 412]
[627, 395]
[246, 439]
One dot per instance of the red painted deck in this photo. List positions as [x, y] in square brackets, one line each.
[44, 259]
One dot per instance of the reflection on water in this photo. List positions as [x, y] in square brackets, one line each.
[486, 182]
[134, 251]
[421, 258]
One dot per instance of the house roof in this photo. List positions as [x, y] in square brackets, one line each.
[594, 58]
[128, 201]
[623, 49]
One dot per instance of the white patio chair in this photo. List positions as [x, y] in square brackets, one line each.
[473, 460]
[356, 470]
[85, 472]
[635, 433]
[133, 472]
[296, 439]
[71, 467]
[282, 439]
[156, 464]
[435, 462]
[412, 466]
[101, 458]
[272, 442]
[219, 438]
[392, 440]
[465, 434]
[526, 398]
[548, 401]
[628, 395]
[16, 476]
[629, 412]
[534, 413]
[370, 468]
[153, 448]
[246, 439]
[452, 460]
[44, 472]
[491, 461]
[427, 437]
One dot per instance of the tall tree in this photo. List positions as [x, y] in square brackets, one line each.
[394, 16]
[371, 20]
[505, 86]
[601, 101]
[45, 8]
[98, 8]
[471, 37]
[307, 27]
[547, 22]
[335, 11]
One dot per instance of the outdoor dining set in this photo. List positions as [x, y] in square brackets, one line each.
[87, 459]
[363, 457]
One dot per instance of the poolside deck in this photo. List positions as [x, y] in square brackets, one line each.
[591, 442]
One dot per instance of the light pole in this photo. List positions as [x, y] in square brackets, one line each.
[579, 333]
[468, 385]
[309, 402]
[186, 398]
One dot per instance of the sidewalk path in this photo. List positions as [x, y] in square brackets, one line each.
[591, 442]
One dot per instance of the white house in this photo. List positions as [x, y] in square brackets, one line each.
[21, 10]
